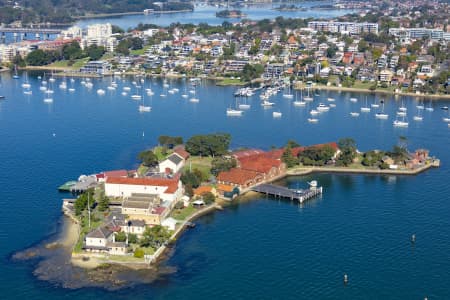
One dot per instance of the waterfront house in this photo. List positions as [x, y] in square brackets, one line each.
[170, 223]
[204, 189]
[136, 227]
[98, 239]
[172, 164]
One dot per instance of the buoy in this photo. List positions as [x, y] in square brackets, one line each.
[345, 278]
[413, 238]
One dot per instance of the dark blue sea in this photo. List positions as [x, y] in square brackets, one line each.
[260, 248]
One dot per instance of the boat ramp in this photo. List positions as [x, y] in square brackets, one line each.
[283, 192]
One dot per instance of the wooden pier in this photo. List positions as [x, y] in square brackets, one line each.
[283, 192]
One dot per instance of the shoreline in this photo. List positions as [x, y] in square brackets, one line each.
[359, 90]
[131, 13]
[93, 260]
[69, 72]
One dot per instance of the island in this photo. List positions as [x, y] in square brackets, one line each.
[230, 14]
[292, 7]
[131, 217]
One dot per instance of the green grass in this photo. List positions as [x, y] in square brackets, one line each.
[230, 81]
[203, 164]
[139, 51]
[362, 85]
[182, 214]
[65, 63]
[97, 219]
[142, 170]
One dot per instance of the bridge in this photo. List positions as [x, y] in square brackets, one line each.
[283, 192]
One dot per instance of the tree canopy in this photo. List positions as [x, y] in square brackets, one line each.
[209, 144]
[148, 158]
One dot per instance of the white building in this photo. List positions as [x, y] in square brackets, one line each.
[72, 33]
[343, 27]
[99, 238]
[171, 164]
[166, 189]
[7, 53]
[99, 30]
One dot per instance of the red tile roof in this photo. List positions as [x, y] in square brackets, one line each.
[225, 187]
[247, 153]
[202, 189]
[260, 163]
[172, 184]
[181, 152]
[116, 173]
[237, 176]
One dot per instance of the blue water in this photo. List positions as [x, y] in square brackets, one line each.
[207, 14]
[259, 249]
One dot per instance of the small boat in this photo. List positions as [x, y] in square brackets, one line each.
[100, 92]
[28, 92]
[299, 103]
[277, 114]
[330, 99]
[194, 100]
[332, 105]
[2, 97]
[163, 95]
[354, 114]
[234, 112]
[143, 108]
[267, 103]
[365, 108]
[48, 100]
[444, 107]
[446, 120]
[124, 93]
[417, 118]
[314, 112]
[398, 123]
[420, 106]
[244, 106]
[322, 107]
[381, 116]
[375, 105]
[126, 88]
[353, 100]
[313, 120]
[136, 97]
[184, 96]
[71, 90]
[111, 88]
[401, 113]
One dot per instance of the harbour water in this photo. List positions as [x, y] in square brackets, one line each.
[260, 248]
[207, 14]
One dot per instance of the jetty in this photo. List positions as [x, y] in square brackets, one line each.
[300, 195]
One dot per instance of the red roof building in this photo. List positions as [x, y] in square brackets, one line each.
[239, 177]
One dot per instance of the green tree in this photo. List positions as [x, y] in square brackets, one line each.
[103, 203]
[82, 201]
[208, 197]
[191, 179]
[132, 238]
[154, 236]
[220, 164]
[148, 158]
[40, 57]
[288, 158]
[95, 52]
[121, 236]
[252, 71]
[139, 253]
[209, 144]
[347, 146]
[72, 51]
[170, 141]
[136, 43]
[123, 47]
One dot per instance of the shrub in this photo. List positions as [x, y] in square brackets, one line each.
[139, 253]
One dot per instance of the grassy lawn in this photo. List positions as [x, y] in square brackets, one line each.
[203, 164]
[182, 214]
[139, 51]
[362, 85]
[65, 63]
[97, 218]
[142, 170]
[230, 81]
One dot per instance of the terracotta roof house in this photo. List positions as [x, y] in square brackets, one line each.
[205, 189]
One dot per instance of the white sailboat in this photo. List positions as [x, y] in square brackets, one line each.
[418, 117]
[308, 97]
[322, 107]
[354, 100]
[244, 105]
[354, 114]
[301, 102]
[330, 99]
[429, 107]
[289, 95]
[48, 98]
[26, 84]
[381, 115]
[137, 95]
[266, 103]
[71, 89]
[143, 107]
[234, 111]
[403, 107]
[375, 104]
[100, 92]
[314, 112]
[400, 123]
[313, 120]
[365, 108]
[194, 99]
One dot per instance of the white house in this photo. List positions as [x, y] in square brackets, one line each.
[98, 239]
[136, 227]
[170, 223]
[171, 164]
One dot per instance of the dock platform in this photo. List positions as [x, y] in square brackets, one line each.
[283, 192]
